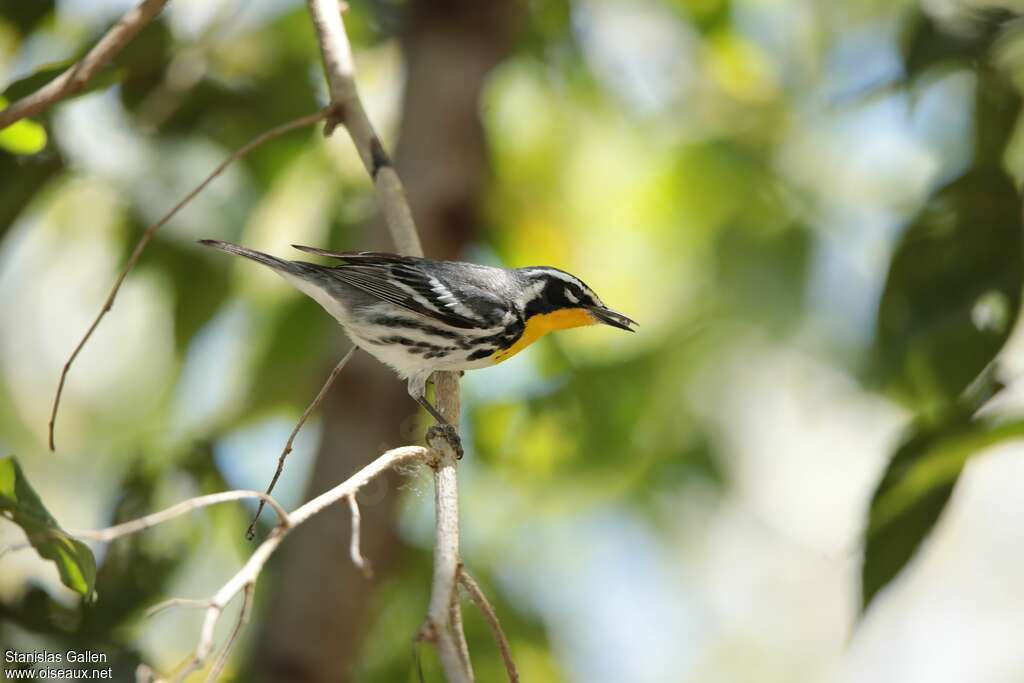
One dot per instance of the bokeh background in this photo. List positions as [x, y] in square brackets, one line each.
[811, 207]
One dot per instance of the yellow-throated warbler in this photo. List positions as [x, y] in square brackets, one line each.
[418, 315]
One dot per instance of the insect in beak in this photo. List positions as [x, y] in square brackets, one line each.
[610, 317]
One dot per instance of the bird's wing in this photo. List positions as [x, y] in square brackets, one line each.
[358, 256]
[406, 282]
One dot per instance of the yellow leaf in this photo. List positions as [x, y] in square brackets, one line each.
[23, 137]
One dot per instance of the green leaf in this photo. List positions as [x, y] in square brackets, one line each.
[26, 16]
[20, 504]
[953, 290]
[928, 43]
[914, 491]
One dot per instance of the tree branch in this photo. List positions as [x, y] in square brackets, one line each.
[347, 110]
[437, 627]
[243, 619]
[245, 578]
[458, 632]
[176, 602]
[137, 525]
[357, 556]
[491, 617]
[148, 234]
[81, 72]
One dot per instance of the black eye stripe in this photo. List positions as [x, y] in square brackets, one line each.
[559, 291]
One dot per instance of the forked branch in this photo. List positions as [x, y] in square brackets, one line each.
[244, 580]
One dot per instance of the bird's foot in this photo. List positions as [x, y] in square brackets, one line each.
[449, 434]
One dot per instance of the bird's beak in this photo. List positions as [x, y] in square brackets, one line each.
[607, 316]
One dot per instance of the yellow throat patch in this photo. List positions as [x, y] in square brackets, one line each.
[539, 325]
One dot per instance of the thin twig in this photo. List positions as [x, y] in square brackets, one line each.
[148, 233]
[250, 533]
[150, 520]
[175, 602]
[491, 617]
[243, 619]
[458, 632]
[81, 72]
[14, 548]
[357, 555]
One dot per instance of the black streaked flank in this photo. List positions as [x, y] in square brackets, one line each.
[405, 341]
[506, 338]
[399, 322]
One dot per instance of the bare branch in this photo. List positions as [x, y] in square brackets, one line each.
[357, 556]
[175, 602]
[250, 533]
[347, 110]
[438, 625]
[491, 617]
[151, 520]
[148, 233]
[458, 632]
[80, 73]
[243, 619]
[393, 458]
[245, 578]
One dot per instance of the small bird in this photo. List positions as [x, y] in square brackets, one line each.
[419, 316]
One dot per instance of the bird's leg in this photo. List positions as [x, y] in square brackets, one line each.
[443, 428]
[433, 411]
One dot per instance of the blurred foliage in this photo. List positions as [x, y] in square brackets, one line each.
[135, 573]
[958, 260]
[702, 168]
[950, 303]
[20, 504]
[24, 137]
[915, 489]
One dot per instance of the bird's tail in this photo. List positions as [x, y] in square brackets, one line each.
[258, 256]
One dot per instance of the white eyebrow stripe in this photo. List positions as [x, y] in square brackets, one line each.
[564, 277]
